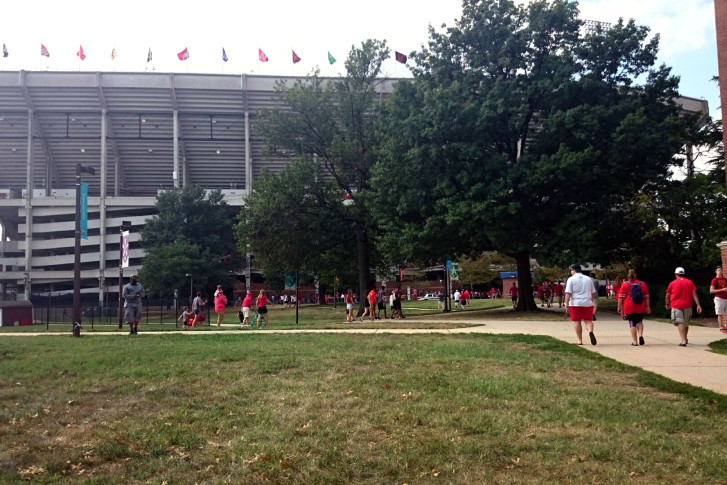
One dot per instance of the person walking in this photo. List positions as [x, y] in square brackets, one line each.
[132, 293]
[633, 304]
[718, 288]
[197, 305]
[382, 302]
[349, 306]
[679, 295]
[245, 310]
[579, 301]
[464, 299]
[220, 305]
[262, 308]
[514, 294]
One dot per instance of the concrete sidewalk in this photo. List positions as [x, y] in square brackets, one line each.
[694, 364]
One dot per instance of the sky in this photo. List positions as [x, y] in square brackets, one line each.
[312, 29]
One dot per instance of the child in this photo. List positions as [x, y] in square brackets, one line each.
[185, 316]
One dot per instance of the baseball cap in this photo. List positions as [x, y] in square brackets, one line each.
[679, 270]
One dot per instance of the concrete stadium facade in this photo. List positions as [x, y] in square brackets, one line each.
[142, 133]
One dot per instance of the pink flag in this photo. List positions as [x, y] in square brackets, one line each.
[261, 55]
[184, 55]
[80, 53]
[296, 59]
[44, 51]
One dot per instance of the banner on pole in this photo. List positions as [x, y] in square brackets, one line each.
[84, 210]
[125, 249]
[290, 280]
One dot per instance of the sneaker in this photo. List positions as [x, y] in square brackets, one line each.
[641, 341]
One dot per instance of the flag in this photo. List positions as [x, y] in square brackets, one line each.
[400, 57]
[184, 55]
[224, 55]
[113, 54]
[44, 51]
[296, 59]
[80, 53]
[331, 59]
[261, 55]
[5, 51]
[148, 56]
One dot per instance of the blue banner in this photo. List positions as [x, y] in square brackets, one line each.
[84, 210]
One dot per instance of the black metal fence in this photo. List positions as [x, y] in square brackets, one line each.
[154, 311]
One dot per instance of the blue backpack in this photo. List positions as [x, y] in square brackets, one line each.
[637, 296]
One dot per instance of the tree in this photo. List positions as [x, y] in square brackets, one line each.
[532, 136]
[330, 122]
[191, 234]
[286, 223]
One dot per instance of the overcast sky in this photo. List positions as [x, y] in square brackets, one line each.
[311, 28]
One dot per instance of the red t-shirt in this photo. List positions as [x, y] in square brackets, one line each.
[558, 289]
[372, 297]
[629, 306]
[262, 301]
[247, 301]
[719, 284]
[680, 292]
[513, 291]
[464, 296]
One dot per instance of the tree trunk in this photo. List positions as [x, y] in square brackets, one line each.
[525, 302]
[364, 283]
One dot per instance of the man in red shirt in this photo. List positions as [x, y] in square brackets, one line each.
[513, 294]
[464, 299]
[679, 296]
[718, 287]
[558, 292]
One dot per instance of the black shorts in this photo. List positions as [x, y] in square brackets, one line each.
[381, 305]
[197, 311]
[262, 310]
[366, 304]
[463, 302]
[397, 305]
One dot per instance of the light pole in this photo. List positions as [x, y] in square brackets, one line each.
[191, 281]
[77, 257]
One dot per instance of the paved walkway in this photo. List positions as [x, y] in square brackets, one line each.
[694, 364]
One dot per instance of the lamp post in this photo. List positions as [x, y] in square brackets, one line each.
[191, 281]
[77, 257]
[123, 262]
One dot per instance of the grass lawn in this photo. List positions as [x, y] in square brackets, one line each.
[372, 409]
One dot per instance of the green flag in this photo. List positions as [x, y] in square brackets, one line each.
[331, 59]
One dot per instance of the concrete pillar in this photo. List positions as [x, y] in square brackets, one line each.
[102, 212]
[723, 252]
[29, 208]
[248, 160]
[175, 173]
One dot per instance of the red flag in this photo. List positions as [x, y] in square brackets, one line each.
[261, 55]
[184, 55]
[80, 53]
[296, 59]
[400, 57]
[44, 51]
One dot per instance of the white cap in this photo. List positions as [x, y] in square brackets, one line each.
[679, 270]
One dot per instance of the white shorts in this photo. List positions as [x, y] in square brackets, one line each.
[720, 306]
[246, 312]
[349, 306]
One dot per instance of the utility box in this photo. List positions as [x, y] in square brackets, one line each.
[16, 313]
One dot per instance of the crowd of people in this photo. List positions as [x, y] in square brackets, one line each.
[579, 296]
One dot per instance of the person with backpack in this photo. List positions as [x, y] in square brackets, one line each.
[633, 304]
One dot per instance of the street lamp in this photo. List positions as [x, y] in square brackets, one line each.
[191, 281]
[77, 257]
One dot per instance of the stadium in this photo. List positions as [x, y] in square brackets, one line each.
[141, 133]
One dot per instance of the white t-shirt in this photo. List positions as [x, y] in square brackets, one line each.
[456, 295]
[581, 290]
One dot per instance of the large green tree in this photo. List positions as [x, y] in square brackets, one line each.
[327, 122]
[523, 135]
[192, 233]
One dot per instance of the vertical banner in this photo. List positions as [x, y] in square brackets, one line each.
[290, 280]
[84, 210]
[125, 249]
